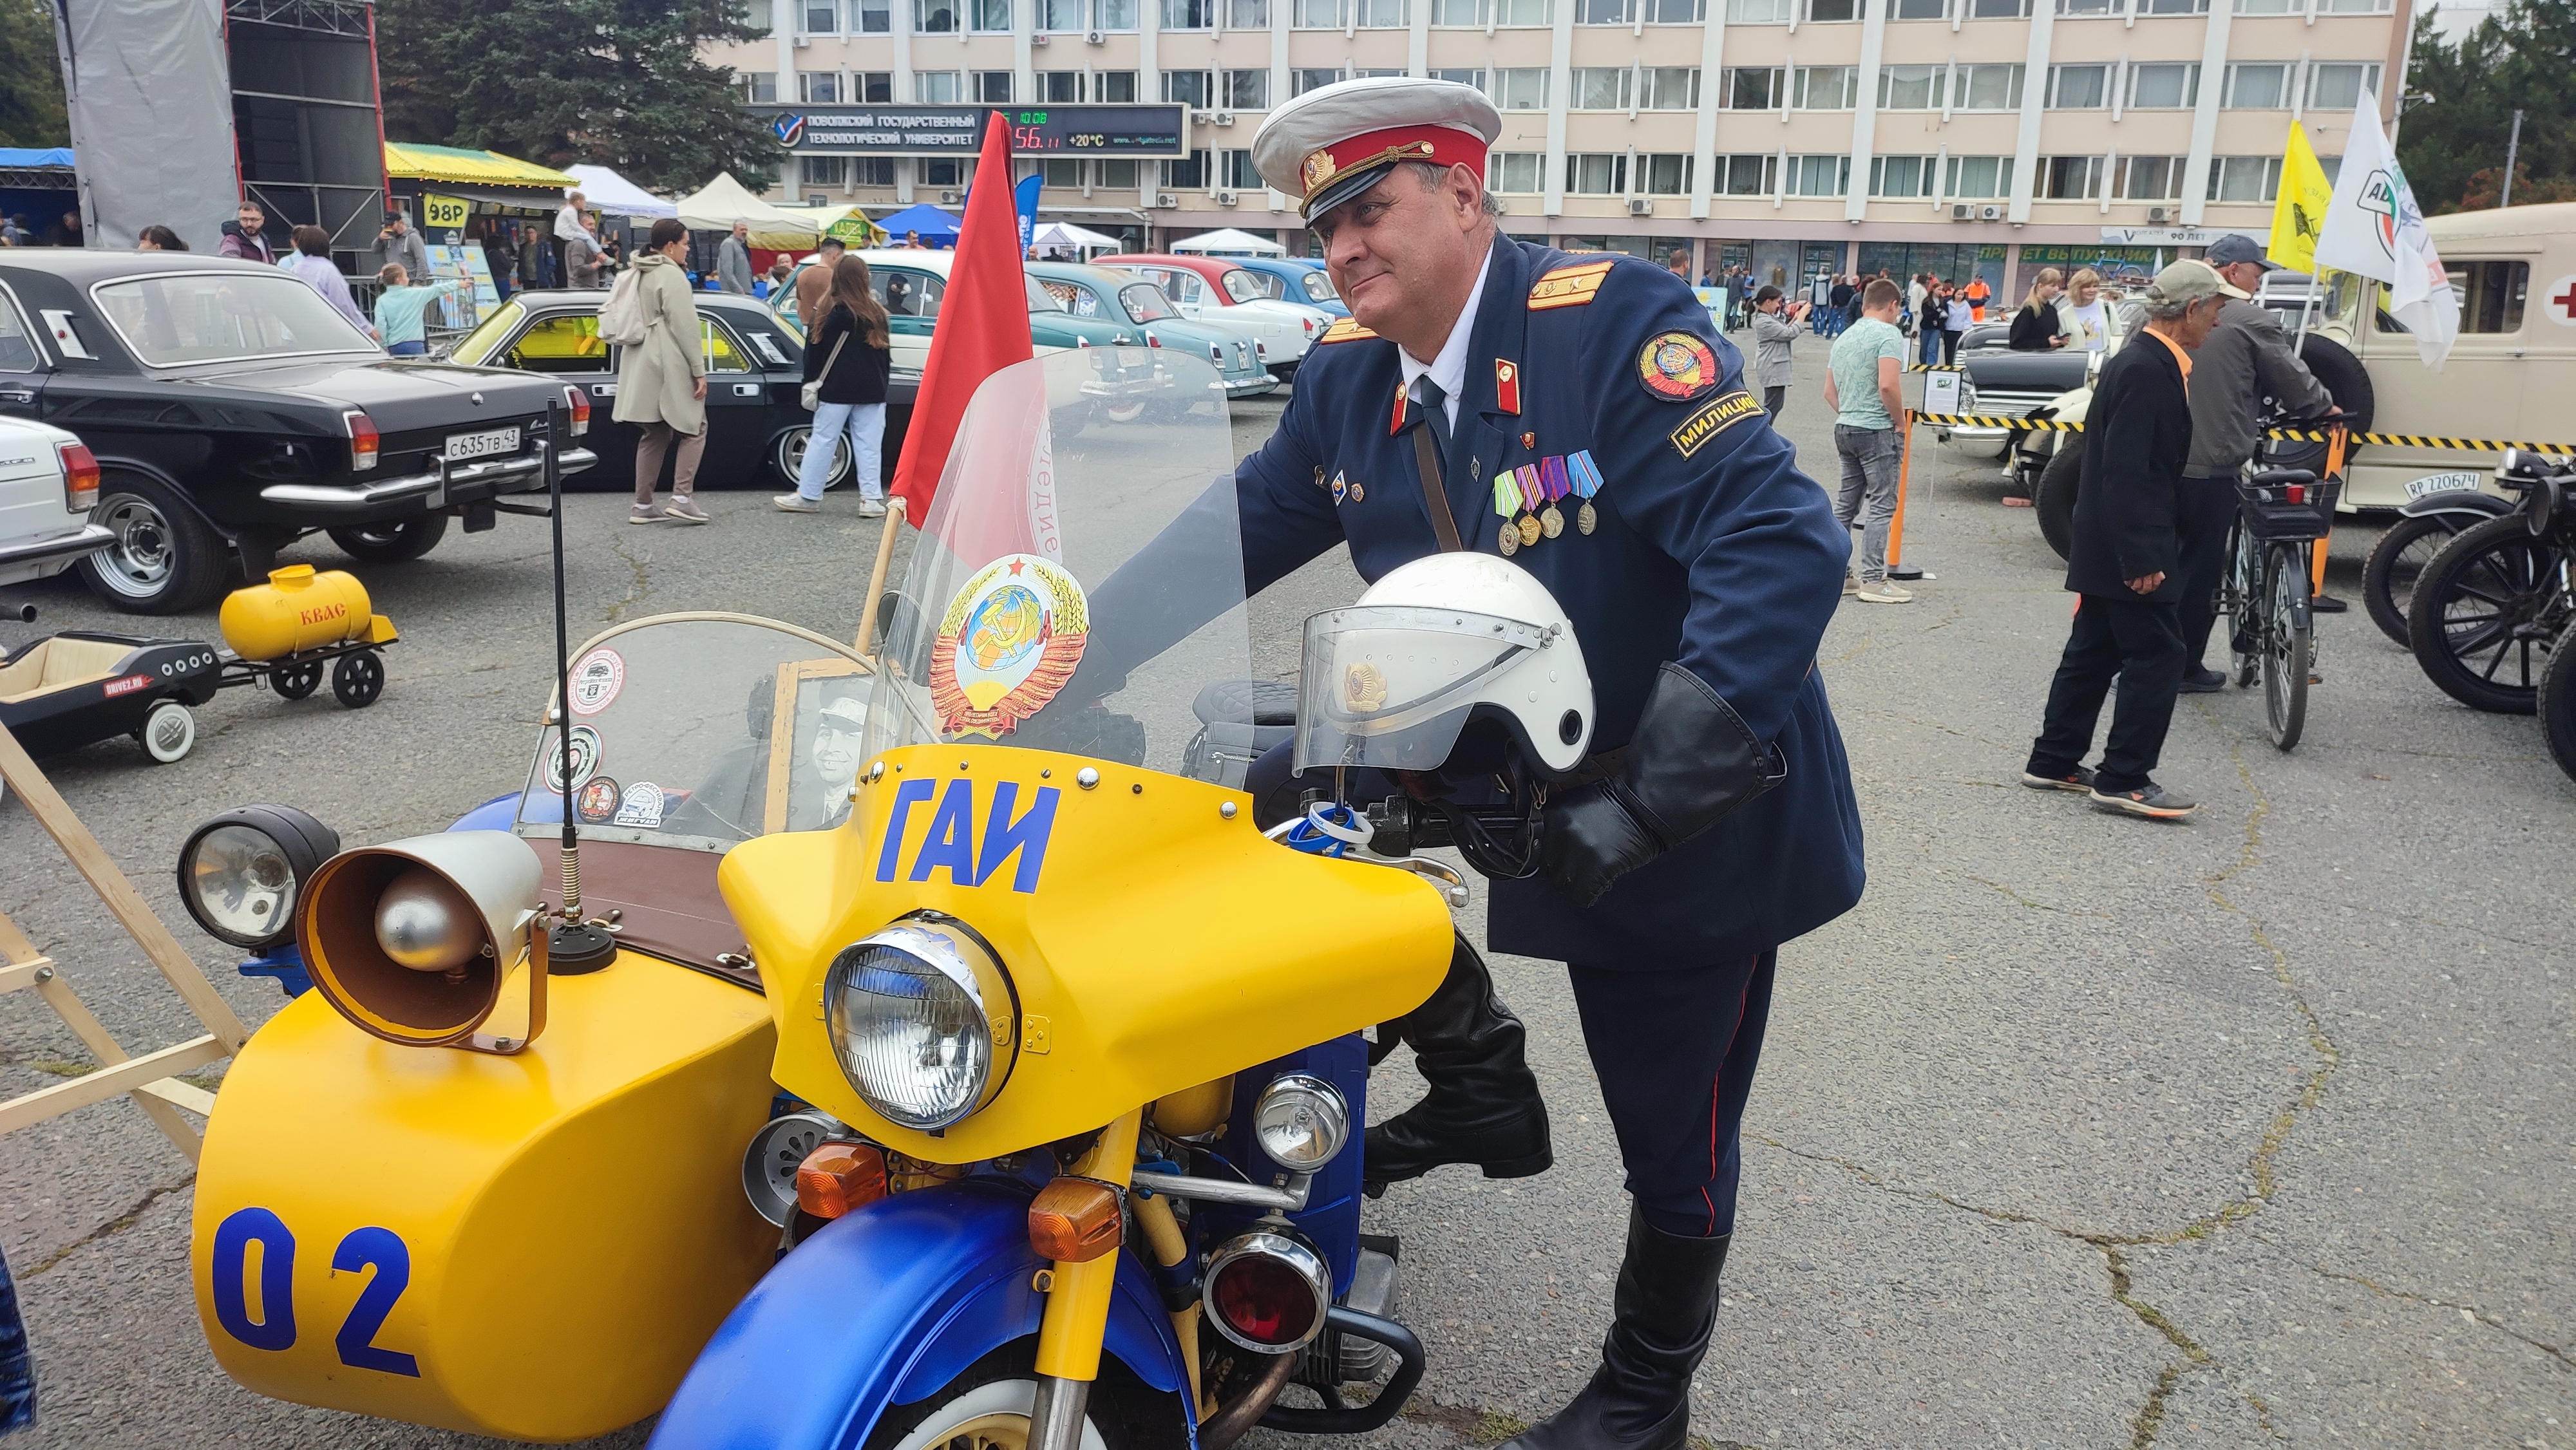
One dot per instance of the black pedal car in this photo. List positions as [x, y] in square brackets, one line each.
[69, 689]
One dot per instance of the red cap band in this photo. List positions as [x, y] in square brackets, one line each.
[1439, 145]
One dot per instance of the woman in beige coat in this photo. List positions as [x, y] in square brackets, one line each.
[662, 381]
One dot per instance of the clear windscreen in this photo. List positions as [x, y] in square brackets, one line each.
[1076, 583]
[1391, 685]
[699, 732]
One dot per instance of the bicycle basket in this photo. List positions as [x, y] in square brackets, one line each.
[2286, 509]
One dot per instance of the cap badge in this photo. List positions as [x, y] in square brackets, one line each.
[1364, 688]
[1319, 168]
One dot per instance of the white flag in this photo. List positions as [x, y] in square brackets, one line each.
[2373, 227]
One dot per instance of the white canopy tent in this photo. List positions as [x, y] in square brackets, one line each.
[613, 195]
[1227, 241]
[716, 206]
[1066, 234]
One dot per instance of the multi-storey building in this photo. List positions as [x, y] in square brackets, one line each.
[1796, 135]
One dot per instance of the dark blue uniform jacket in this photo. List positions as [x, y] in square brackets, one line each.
[1711, 549]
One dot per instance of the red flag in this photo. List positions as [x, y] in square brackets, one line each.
[983, 323]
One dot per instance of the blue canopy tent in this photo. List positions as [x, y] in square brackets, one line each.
[937, 228]
[38, 184]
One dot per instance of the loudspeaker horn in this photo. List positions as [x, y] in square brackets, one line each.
[413, 940]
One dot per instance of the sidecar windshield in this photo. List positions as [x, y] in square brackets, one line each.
[1076, 581]
[702, 730]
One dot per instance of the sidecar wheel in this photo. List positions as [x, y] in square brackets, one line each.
[991, 1416]
[987, 1408]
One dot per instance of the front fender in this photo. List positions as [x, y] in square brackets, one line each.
[882, 1308]
[2468, 500]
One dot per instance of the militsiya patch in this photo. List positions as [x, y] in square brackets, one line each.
[1676, 367]
[1721, 414]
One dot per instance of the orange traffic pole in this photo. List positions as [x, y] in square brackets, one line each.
[2335, 437]
[1896, 526]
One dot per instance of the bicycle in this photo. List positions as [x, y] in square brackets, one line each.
[2282, 516]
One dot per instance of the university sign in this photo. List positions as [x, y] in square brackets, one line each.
[959, 130]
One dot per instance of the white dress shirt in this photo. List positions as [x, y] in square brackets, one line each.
[1449, 369]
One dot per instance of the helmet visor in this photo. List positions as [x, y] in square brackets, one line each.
[1390, 685]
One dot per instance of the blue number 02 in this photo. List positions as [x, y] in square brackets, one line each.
[378, 1248]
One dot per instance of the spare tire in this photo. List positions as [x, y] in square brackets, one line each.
[2334, 365]
[2055, 505]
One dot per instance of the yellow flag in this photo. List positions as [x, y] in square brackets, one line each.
[2301, 210]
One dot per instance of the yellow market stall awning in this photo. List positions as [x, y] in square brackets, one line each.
[454, 165]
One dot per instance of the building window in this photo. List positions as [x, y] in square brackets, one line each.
[991, 16]
[2150, 178]
[1247, 14]
[1189, 14]
[1596, 173]
[1665, 173]
[1827, 88]
[1246, 90]
[1318, 14]
[1513, 171]
[2244, 178]
[935, 87]
[2165, 87]
[1911, 87]
[1674, 12]
[2269, 7]
[1919, 10]
[1669, 88]
[1524, 12]
[1521, 88]
[872, 170]
[1382, 15]
[759, 87]
[1998, 9]
[756, 16]
[1187, 88]
[939, 171]
[1600, 12]
[1819, 175]
[1749, 88]
[1302, 81]
[1600, 88]
[823, 170]
[819, 87]
[1460, 14]
[871, 17]
[1989, 88]
[1059, 87]
[1822, 10]
[1757, 12]
[1979, 177]
[2171, 7]
[820, 17]
[2070, 178]
[1115, 174]
[1474, 78]
[1234, 171]
[992, 88]
[1901, 178]
[2256, 88]
[1060, 16]
[1747, 174]
[1060, 172]
[934, 17]
[1116, 14]
[1117, 87]
[2079, 87]
[2087, 7]
[1190, 173]
[2492, 294]
[2339, 87]
[873, 87]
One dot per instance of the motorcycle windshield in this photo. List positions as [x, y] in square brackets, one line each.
[699, 731]
[1076, 582]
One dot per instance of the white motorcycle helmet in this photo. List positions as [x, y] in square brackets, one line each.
[1391, 680]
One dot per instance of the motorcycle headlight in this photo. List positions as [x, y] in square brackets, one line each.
[1301, 1121]
[923, 1019]
[242, 873]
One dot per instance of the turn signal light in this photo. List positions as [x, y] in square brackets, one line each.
[579, 402]
[362, 439]
[1074, 1220]
[80, 477]
[838, 1177]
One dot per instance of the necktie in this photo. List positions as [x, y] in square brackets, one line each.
[1435, 411]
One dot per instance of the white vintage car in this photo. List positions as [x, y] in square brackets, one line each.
[48, 481]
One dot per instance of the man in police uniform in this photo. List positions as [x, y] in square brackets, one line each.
[1582, 416]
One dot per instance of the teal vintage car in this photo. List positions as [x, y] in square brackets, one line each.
[1141, 310]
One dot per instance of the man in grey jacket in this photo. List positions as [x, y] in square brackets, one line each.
[1775, 328]
[733, 260]
[398, 244]
[2246, 359]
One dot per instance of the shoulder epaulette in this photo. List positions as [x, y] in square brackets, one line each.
[1345, 329]
[1567, 286]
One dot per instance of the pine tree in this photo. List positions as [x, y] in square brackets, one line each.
[31, 103]
[2453, 148]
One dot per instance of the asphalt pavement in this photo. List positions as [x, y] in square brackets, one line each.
[2079, 1131]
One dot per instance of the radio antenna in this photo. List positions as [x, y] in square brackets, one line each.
[574, 946]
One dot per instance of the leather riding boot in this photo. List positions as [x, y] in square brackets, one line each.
[1483, 1107]
[1662, 1313]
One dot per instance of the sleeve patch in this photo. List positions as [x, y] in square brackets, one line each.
[1345, 329]
[1677, 367]
[1568, 286]
[1721, 414]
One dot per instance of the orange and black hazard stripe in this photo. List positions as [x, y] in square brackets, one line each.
[2010, 423]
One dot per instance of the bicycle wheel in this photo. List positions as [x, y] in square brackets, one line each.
[2244, 608]
[2287, 645]
[2558, 702]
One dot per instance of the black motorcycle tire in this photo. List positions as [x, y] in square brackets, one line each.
[2494, 573]
[2397, 563]
[2058, 485]
[2558, 702]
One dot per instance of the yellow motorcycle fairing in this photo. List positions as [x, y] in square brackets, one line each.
[532, 1247]
[1154, 941]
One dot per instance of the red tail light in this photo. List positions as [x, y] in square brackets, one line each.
[1268, 1292]
[362, 439]
[1309, 325]
[80, 477]
[1150, 341]
[579, 402]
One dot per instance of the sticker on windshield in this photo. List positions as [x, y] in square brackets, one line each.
[596, 680]
[1008, 643]
[641, 805]
[585, 759]
[597, 801]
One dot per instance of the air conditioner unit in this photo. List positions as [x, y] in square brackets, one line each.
[1960, 211]
[1095, 38]
[1990, 213]
[1041, 39]
[1201, 118]
[1228, 198]
[803, 41]
[1640, 206]
[1225, 118]
[1165, 200]
[2158, 213]
[947, 198]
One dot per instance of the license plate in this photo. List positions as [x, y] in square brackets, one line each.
[2442, 483]
[461, 446]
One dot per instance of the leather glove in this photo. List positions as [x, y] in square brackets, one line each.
[1690, 763]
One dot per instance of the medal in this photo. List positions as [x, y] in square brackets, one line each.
[1507, 502]
[1359, 494]
[1583, 477]
[1550, 521]
[1533, 491]
[1554, 484]
[1530, 528]
[1509, 539]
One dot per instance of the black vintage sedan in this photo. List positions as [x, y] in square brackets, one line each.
[756, 425]
[232, 411]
